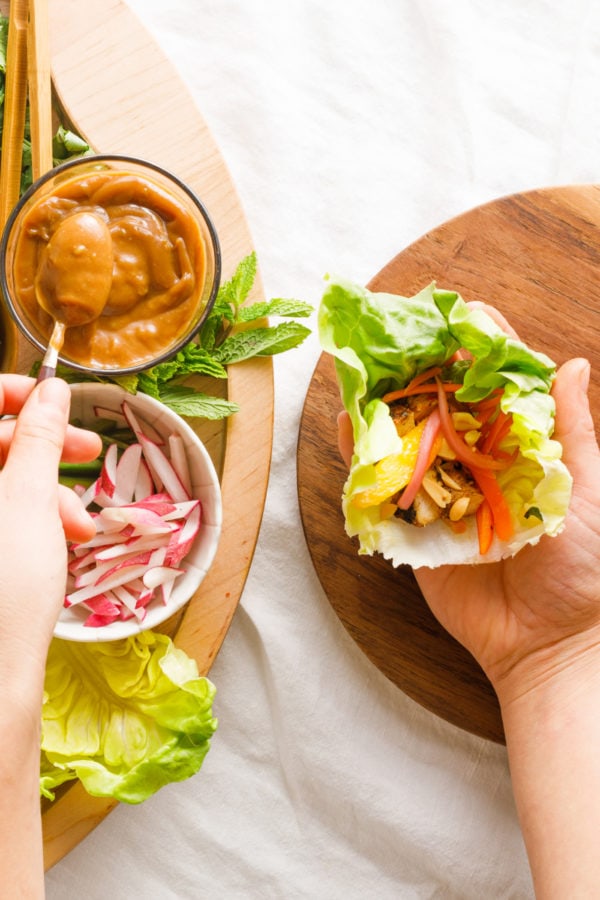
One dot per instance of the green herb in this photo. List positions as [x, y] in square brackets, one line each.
[535, 512]
[232, 333]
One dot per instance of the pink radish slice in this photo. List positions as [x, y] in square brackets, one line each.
[123, 576]
[159, 575]
[160, 466]
[143, 521]
[181, 542]
[127, 473]
[146, 523]
[144, 486]
[179, 461]
[108, 473]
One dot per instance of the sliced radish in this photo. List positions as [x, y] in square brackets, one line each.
[146, 522]
[108, 473]
[158, 575]
[127, 472]
[181, 541]
[144, 486]
[179, 461]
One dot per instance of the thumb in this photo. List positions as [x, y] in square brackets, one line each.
[574, 425]
[38, 439]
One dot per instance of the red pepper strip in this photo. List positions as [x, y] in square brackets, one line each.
[463, 452]
[501, 517]
[409, 391]
[497, 432]
[427, 449]
[485, 527]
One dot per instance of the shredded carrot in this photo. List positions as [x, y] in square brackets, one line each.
[489, 487]
[497, 432]
[485, 527]
[427, 375]
[448, 386]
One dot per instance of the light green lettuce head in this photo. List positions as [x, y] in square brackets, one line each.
[380, 342]
[125, 717]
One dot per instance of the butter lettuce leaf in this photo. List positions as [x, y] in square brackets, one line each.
[380, 341]
[125, 717]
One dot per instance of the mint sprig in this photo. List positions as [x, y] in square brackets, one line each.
[232, 333]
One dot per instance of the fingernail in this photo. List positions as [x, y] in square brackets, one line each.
[55, 392]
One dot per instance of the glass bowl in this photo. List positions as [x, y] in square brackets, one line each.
[166, 262]
[90, 401]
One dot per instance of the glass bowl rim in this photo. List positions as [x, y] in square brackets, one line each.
[118, 158]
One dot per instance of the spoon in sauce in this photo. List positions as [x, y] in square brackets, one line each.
[74, 278]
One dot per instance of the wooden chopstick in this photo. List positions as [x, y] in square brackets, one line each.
[40, 90]
[14, 108]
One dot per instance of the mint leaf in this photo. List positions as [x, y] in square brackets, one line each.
[191, 359]
[295, 309]
[236, 290]
[188, 402]
[261, 342]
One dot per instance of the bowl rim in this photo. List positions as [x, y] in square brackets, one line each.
[119, 630]
[118, 158]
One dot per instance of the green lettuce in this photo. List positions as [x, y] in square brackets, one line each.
[125, 717]
[380, 341]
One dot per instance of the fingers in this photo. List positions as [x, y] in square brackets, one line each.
[77, 523]
[495, 315]
[14, 391]
[34, 444]
[79, 446]
[39, 434]
[574, 426]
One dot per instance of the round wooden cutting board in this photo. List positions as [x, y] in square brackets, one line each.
[536, 257]
[118, 90]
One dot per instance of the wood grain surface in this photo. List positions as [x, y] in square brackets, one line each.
[536, 257]
[120, 92]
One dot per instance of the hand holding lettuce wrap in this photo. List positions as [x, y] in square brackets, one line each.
[452, 421]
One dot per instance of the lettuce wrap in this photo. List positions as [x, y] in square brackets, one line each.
[124, 717]
[382, 342]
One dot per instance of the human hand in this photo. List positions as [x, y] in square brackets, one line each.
[527, 617]
[36, 515]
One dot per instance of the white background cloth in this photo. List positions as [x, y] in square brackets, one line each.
[350, 128]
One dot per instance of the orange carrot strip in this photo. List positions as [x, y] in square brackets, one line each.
[448, 386]
[501, 517]
[492, 438]
[485, 527]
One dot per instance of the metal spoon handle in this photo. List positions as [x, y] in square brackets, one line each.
[50, 360]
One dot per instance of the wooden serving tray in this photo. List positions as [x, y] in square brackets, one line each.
[536, 257]
[121, 94]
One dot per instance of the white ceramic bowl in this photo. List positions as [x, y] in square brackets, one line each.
[205, 487]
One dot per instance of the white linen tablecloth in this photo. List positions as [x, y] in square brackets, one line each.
[350, 128]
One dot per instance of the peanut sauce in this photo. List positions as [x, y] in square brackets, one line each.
[158, 266]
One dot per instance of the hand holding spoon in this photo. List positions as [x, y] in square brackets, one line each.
[74, 279]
